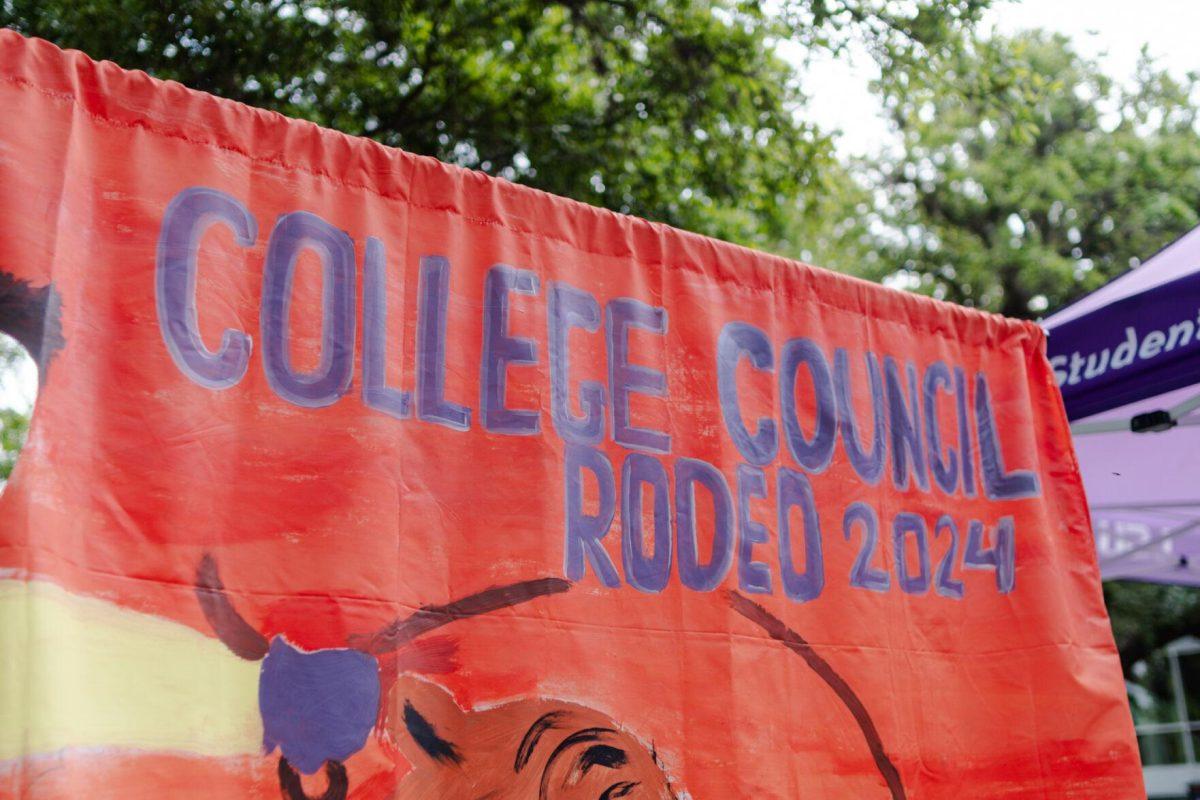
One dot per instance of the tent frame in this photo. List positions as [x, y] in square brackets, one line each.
[1177, 416]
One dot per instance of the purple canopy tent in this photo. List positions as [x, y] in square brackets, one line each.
[1127, 358]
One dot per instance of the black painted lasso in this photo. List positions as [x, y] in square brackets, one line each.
[777, 630]
[335, 773]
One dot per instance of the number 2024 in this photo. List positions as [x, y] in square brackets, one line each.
[910, 530]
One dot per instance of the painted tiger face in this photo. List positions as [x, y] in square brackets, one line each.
[520, 750]
[531, 749]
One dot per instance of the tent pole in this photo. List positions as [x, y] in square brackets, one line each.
[1101, 426]
[1124, 424]
[1166, 505]
[1185, 408]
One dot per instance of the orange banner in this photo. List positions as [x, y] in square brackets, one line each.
[355, 475]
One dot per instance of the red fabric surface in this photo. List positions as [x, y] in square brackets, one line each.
[331, 521]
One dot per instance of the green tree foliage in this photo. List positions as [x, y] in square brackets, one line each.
[675, 110]
[1023, 178]
[1146, 616]
[13, 428]
[1027, 177]
[14, 423]
[831, 225]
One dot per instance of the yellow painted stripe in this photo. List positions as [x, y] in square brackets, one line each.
[81, 672]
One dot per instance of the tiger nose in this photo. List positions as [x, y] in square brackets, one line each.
[317, 706]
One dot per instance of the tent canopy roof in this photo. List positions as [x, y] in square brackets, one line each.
[1144, 487]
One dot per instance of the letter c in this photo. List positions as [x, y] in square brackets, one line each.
[189, 215]
[739, 339]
